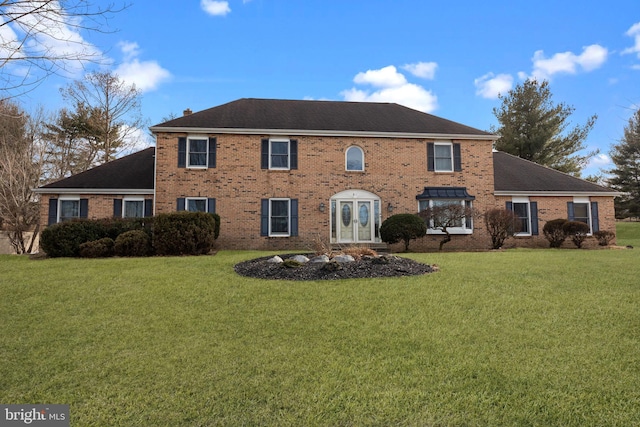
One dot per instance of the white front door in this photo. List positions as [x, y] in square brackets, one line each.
[354, 221]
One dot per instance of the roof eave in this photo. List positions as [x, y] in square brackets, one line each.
[558, 193]
[93, 190]
[308, 132]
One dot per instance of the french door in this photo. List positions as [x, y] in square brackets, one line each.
[355, 221]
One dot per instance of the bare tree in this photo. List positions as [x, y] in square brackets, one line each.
[113, 109]
[21, 158]
[500, 225]
[43, 37]
[445, 216]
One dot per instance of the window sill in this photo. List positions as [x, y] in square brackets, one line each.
[442, 233]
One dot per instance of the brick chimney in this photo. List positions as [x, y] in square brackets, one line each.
[187, 112]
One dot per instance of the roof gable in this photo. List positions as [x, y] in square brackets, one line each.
[514, 174]
[135, 171]
[322, 116]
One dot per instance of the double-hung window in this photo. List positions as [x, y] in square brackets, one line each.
[197, 152]
[444, 156]
[583, 210]
[69, 209]
[133, 208]
[279, 154]
[196, 204]
[526, 216]
[279, 217]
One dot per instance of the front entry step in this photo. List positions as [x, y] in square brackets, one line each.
[381, 248]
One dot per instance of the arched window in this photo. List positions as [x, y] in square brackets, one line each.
[355, 159]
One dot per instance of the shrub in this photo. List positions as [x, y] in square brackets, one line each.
[133, 243]
[357, 252]
[604, 237]
[554, 232]
[64, 239]
[577, 231]
[101, 248]
[499, 223]
[184, 233]
[402, 227]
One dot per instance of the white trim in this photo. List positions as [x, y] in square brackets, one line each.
[206, 151]
[452, 230]
[93, 191]
[131, 199]
[309, 132]
[523, 200]
[288, 141]
[435, 158]
[557, 193]
[186, 203]
[68, 198]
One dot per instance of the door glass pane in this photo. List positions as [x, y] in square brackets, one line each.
[364, 224]
[346, 221]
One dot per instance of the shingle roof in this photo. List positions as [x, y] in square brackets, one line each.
[513, 174]
[134, 171]
[277, 114]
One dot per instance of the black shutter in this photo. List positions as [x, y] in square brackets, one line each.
[293, 153]
[534, 218]
[570, 211]
[264, 217]
[457, 158]
[264, 154]
[117, 208]
[430, 157]
[211, 205]
[182, 152]
[294, 217]
[212, 153]
[180, 203]
[53, 211]
[84, 208]
[509, 206]
[148, 207]
[595, 220]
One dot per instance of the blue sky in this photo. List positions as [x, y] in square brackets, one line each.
[450, 59]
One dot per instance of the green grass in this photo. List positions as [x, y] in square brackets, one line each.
[516, 338]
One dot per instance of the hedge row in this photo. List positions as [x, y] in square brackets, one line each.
[180, 233]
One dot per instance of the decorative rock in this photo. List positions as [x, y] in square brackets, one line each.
[320, 259]
[344, 258]
[300, 258]
[275, 260]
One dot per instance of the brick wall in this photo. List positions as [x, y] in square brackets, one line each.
[100, 205]
[395, 170]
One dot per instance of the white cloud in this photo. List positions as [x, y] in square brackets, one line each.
[634, 32]
[491, 86]
[146, 75]
[391, 86]
[544, 68]
[384, 77]
[600, 161]
[215, 8]
[425, 70]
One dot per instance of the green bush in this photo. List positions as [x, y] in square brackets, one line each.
[184, 233]
[604, 237]
[577, 231]
[64, 239]
[101, 248]
[554, 232]
[133, 243]
[402, 227]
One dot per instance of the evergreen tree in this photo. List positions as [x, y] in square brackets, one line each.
[626, 174]
[533, 128]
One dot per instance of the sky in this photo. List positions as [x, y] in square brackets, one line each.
[450, 59]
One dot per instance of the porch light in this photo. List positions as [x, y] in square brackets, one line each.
[321, 207]
[390, 207]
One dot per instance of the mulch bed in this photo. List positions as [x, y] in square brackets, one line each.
[391, 266]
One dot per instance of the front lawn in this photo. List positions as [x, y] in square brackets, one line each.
[519, 337]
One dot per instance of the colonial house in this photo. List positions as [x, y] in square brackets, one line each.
[283, 174]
